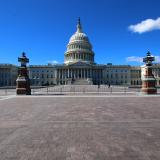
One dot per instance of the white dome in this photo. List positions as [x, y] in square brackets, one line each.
[79, 41]
[79, 44]
[78, 37]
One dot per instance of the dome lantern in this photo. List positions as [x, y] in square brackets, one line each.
[79, 27]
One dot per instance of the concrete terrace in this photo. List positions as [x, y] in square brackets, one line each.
[80, 127]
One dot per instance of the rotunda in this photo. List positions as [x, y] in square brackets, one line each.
[79, 49]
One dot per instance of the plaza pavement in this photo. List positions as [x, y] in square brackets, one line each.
[80, 127]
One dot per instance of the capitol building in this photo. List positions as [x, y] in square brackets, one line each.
[79, 67]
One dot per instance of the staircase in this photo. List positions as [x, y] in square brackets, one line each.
[82, 82]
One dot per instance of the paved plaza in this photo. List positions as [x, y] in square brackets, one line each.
[80, 128]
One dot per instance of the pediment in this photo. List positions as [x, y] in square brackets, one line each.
[79, 63]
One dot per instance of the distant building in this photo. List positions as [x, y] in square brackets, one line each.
[79, 68]
[156, 73]
[8, 75]
[135, 74]
[43, 75]
[117, 74]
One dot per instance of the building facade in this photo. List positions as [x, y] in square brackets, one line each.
[79, 67]
[117, 74]
[8, 75]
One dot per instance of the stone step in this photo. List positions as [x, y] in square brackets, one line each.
[81, 82]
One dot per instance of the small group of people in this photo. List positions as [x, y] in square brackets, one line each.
[109, 85]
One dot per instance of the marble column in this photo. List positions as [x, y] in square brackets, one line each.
[71, 73]
[58, 74]
[62, 73]
[68, 73]
[81, 73]
[78, 73]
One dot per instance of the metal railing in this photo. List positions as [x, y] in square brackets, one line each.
[7, 90]
[83, 89]
[74, 89]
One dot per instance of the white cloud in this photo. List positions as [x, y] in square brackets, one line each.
[145, 26]
[53, 62]
[134, 59]
[140, 59]
[157, 59]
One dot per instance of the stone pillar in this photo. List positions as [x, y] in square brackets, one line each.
[87, 73]
[59, 74]
[148, 79]
[73, 76]
[23, 82]
[65, 73]
[71, 73]
[78, 72]
[81, 73]
[68, 72]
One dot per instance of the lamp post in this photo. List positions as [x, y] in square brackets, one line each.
[23, 82]
[148, 79]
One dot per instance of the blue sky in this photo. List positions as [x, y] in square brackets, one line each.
[42, 29]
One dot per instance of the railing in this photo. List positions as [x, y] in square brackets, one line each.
[75, 89]
[7, 90]
[83, 89]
